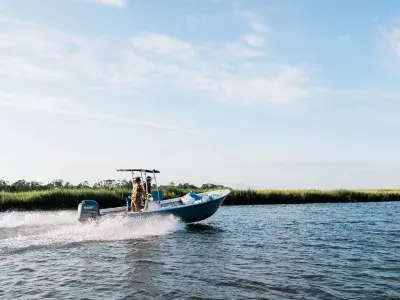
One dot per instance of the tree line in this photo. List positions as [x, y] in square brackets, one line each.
[25, 186]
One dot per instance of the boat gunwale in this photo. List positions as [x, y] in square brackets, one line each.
[222, 193]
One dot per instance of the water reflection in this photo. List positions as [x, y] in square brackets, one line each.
[206, 228]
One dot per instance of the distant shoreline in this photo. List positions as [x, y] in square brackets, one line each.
[69, 198]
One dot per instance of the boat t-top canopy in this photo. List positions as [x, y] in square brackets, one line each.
[138, 170]
[143, 173]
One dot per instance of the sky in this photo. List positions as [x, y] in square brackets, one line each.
[245, 93]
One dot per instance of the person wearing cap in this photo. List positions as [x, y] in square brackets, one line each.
[148, 183]
[147, 189]
[137, 194]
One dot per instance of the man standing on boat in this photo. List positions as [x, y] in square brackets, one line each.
[147, 189]
[137, 194]
[148, 183]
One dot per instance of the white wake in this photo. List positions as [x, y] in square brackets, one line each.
[20, 230]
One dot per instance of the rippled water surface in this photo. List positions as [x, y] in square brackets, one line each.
[313, 251]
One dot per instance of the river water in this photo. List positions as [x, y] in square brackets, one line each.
[309, 251]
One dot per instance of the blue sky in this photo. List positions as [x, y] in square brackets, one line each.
[260, 94]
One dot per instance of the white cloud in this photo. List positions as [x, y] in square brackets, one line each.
[255, 20]
[222, 70]
[14, 21]
[64, 106]
[230, 53]
[289, 84]
[391, 33]
[34, 102]
[41, 53]
[254, 40]
[162, 44]
[393, 36]
[206, 71]
[259, 31]
[25, 69]
[115, 3]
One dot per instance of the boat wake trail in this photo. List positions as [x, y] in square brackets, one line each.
[24, 230]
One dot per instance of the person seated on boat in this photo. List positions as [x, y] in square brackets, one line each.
[137, 194]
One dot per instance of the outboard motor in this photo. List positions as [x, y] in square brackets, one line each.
[88, 209]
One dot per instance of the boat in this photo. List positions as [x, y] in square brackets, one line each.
[190, 208]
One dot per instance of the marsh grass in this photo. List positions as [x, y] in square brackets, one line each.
[61, 198]
[70, 198]
[252, 197]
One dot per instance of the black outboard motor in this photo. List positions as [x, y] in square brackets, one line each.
[88, 209]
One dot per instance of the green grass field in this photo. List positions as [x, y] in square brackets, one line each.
[69, 198]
